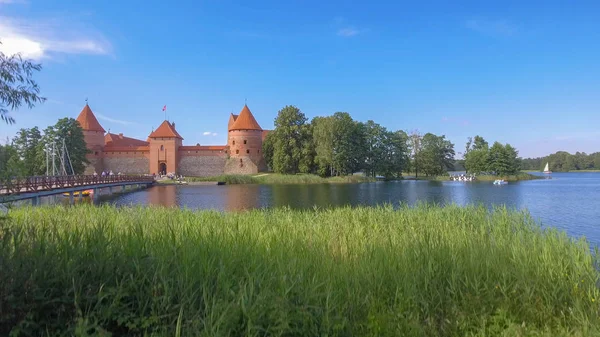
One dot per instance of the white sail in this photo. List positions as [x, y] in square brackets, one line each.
[546, 169]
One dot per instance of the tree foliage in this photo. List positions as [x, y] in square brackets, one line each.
[290, 139]
[17, 86]
[339, 145]
[30, 150]
[562, 161]
[28, 144]
[437, 155]
[476, 155]
[499, 159]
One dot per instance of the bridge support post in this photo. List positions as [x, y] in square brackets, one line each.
[80, 196]
[95, 195]
[110, 190]
[71, 201]
[35, 201]
[123, 188]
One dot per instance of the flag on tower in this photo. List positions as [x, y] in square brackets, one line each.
[165, 108]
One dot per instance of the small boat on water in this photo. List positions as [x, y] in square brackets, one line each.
[547, 169]
[83, 193]
[500, 182]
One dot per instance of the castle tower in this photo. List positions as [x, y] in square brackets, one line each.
[93, 134]
[164, 148]
[244, 139]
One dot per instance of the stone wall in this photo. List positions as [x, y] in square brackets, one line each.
[201, 166]
[95, 165]
[132, 165]
[247, 166]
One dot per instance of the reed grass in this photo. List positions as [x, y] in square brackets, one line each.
[422, 271]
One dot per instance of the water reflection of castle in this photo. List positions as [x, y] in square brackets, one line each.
[225, 198]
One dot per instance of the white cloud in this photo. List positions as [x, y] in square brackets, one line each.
[37, 39]
[491, 27]
[348, 32]
[108, 119]
[208, 133]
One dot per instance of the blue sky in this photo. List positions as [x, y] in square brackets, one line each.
[527, 73]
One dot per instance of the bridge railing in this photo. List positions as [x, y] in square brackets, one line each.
[44, 183]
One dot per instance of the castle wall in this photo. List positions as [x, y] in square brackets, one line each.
[201, 165]
[96, 164]
[241, 165]
[127, 164]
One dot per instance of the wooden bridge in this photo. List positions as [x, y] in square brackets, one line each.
[35, 187]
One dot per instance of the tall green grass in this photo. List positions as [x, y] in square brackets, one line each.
[424, 271]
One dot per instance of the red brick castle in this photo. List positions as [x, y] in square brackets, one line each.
[164, 151]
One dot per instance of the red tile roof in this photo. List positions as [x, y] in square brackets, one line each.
[88, 121]
[165, 130]
[245, 121]
[111, 139]
[111, 148]
[232, 119]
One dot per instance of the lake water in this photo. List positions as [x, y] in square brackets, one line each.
[569, 201]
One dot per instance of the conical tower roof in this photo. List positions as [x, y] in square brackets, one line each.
[245, 121]
[165, 130]
[88, 121]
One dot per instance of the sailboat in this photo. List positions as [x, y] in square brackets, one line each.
[547, 169]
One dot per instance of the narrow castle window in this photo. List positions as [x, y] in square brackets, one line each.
[237, 151]
[247, 151]
[96, 153]
[234, 142]
[257, 151]
[244, 141]
[162, 147]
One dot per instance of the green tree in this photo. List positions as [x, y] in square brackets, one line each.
[376, 143]
[268, 147]
[396, 155]
[308, 153]
[480, 144]
[10, 164]
[69, 130]
[17, 86]
[27, 143]
[290, 137]
[323, 140]
[415, 146]
[437, 155]
[349, 145]
[476, 157]
[503, 159]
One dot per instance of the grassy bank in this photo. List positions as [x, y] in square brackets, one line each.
[517, 177]
[424, 271]
[271, 178]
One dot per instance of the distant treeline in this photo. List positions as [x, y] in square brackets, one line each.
[562, 161]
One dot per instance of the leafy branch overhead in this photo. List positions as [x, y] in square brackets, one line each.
[17, 86]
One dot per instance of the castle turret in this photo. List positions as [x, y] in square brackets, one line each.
[245, 143]
[164, 148]
[93, 134]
